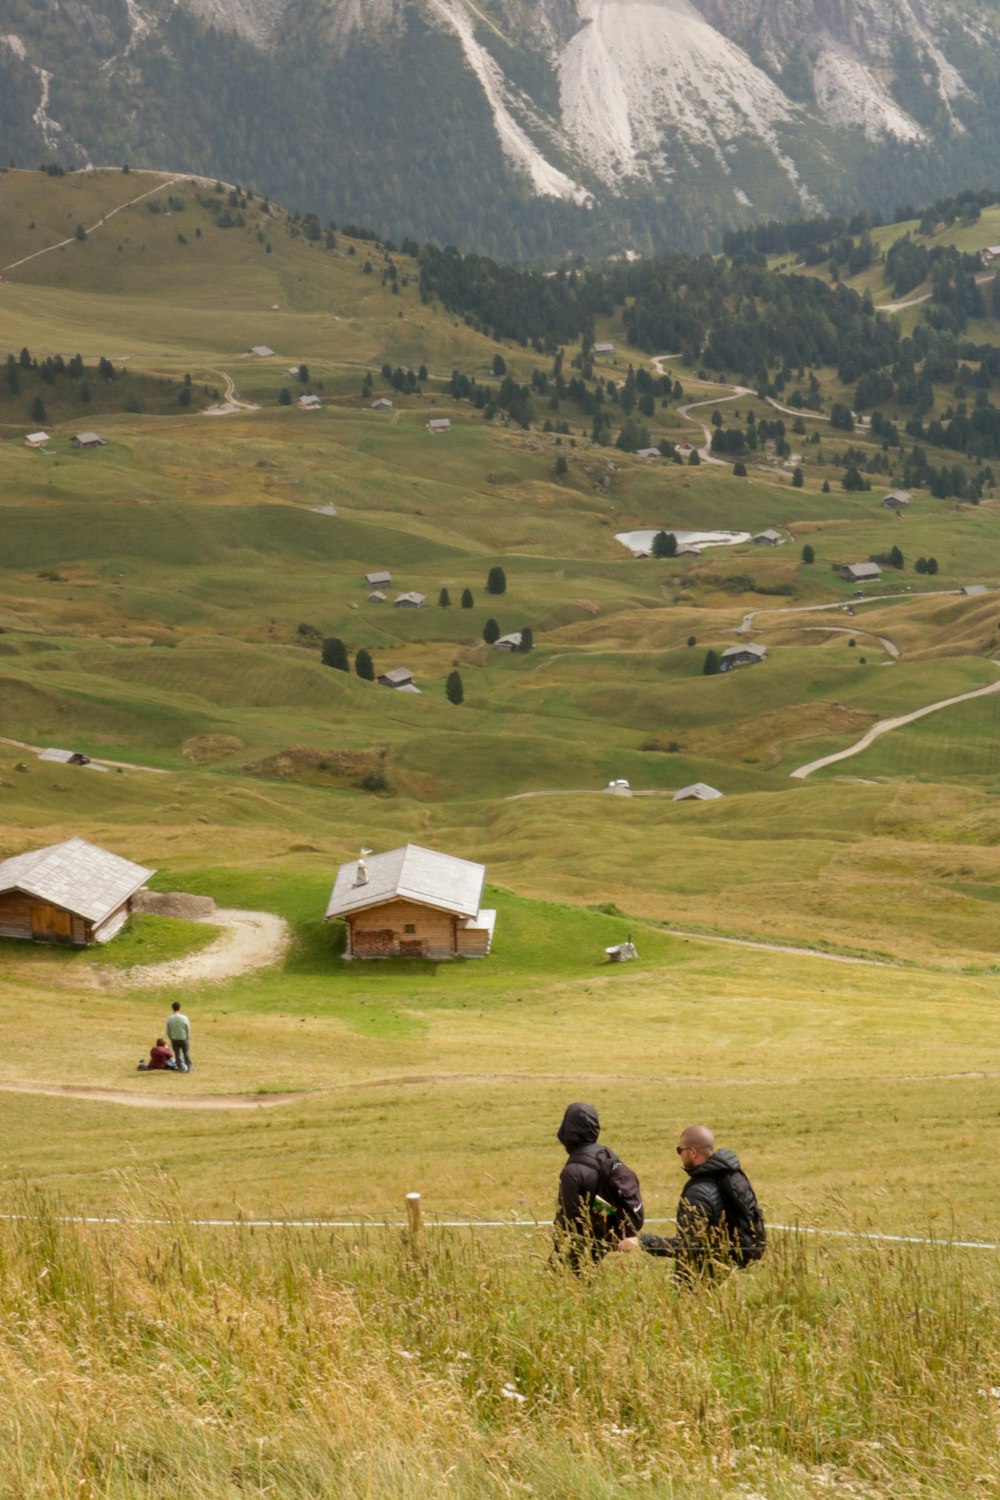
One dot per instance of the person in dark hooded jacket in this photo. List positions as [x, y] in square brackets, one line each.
[585, 1229]
[705, 1237]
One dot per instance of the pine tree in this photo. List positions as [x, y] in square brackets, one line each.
[527, 640]
[496, 582]
[454, 691]
[491, 632]
[38, 410]
[335, 654]
[444, 599]
[808, 553]
[664, 544]
[285, 399]
[467, 599]
[363, 666]
[712, 664]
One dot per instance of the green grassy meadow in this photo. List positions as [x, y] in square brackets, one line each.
[818, 973]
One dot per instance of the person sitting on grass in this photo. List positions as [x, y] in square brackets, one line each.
[160, 1058]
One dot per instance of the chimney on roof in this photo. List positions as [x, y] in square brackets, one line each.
[362, 876]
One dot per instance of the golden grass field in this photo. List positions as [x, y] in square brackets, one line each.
[151, 602]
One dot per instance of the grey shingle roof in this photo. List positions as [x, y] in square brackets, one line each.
[80, 877]
[749, 649]
[415, 874]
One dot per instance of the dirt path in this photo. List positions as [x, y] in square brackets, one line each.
[885, 725]
[893, 307]
[705, 453]
[658, 360]
[169, 182]
[124, 765]
[231, 402]
[251, 940]
[223, 1102]
[151, 1101]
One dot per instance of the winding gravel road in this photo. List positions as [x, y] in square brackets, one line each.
[885, 725]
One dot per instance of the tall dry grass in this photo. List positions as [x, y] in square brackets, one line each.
[173, 1361]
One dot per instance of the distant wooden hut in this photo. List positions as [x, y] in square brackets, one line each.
[400, 678]
[741, 656]
[72, 893]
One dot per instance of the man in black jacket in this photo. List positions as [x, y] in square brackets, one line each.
[584, 1227]
[716, 1211]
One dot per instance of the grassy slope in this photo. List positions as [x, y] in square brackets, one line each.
[185, 557]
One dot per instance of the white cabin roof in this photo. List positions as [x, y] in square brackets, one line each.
[748, 650]
[79, 877]
[410, 874]
[698, 791]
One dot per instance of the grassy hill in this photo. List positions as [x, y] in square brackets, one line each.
[164, 602]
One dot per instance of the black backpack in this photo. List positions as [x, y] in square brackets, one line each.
[744, 1220]
[616, 1207]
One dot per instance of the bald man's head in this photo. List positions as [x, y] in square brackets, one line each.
[695, 1146]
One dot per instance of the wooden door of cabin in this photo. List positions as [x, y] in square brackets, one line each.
[49, 924]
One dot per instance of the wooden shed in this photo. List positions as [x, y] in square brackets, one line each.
[412, 903]
[74, 893]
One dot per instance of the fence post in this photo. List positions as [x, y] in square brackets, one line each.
[413, 1212]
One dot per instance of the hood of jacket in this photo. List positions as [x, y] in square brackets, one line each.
[579, 1127]
[719, 1162]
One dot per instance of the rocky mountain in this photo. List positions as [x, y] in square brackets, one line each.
[520, 126]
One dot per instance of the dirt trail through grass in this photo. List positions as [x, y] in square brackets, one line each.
[149, 1101]
[169, 182]
[252, 940]
[124, 765]
[884, 726]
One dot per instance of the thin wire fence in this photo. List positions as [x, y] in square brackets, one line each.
[868, 1236]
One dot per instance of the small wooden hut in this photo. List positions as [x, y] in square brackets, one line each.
[74, 893]
[412, 903]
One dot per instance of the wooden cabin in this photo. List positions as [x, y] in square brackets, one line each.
[412, 903]
[74, 893]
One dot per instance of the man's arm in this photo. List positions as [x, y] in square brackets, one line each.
[696, 1215]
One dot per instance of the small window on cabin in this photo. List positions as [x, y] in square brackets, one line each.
[409, 928]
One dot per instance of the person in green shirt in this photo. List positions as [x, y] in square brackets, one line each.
[178, 1029]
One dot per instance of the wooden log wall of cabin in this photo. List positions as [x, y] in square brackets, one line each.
[378, 933]
[15, 915]
[23, 916]
[473, 942]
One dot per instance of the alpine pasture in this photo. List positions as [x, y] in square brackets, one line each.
[164, 603]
